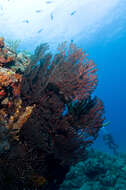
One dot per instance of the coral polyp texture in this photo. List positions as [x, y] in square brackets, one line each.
[47, 115]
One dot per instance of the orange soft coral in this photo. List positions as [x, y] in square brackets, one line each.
[9, 78]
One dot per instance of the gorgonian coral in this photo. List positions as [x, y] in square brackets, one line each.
[53, 83]
[70, 70]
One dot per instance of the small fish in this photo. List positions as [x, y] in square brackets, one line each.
[106, 123]
[40, 30]
[38, 11]
[72, 13]
[51, 16]
[26, 21]
[48, 2]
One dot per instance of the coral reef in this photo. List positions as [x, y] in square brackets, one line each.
[38, 140]
[99, 171]
[12, 114]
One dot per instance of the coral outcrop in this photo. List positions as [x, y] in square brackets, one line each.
[12, 115]
[99, 171]
[48, 117]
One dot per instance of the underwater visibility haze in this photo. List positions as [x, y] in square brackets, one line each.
[62, 95]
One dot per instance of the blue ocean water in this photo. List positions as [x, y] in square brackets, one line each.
[99, 27]
[111, 88]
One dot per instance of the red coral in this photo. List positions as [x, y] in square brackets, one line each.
[53, 85]
[70, 70]
[75, 75]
